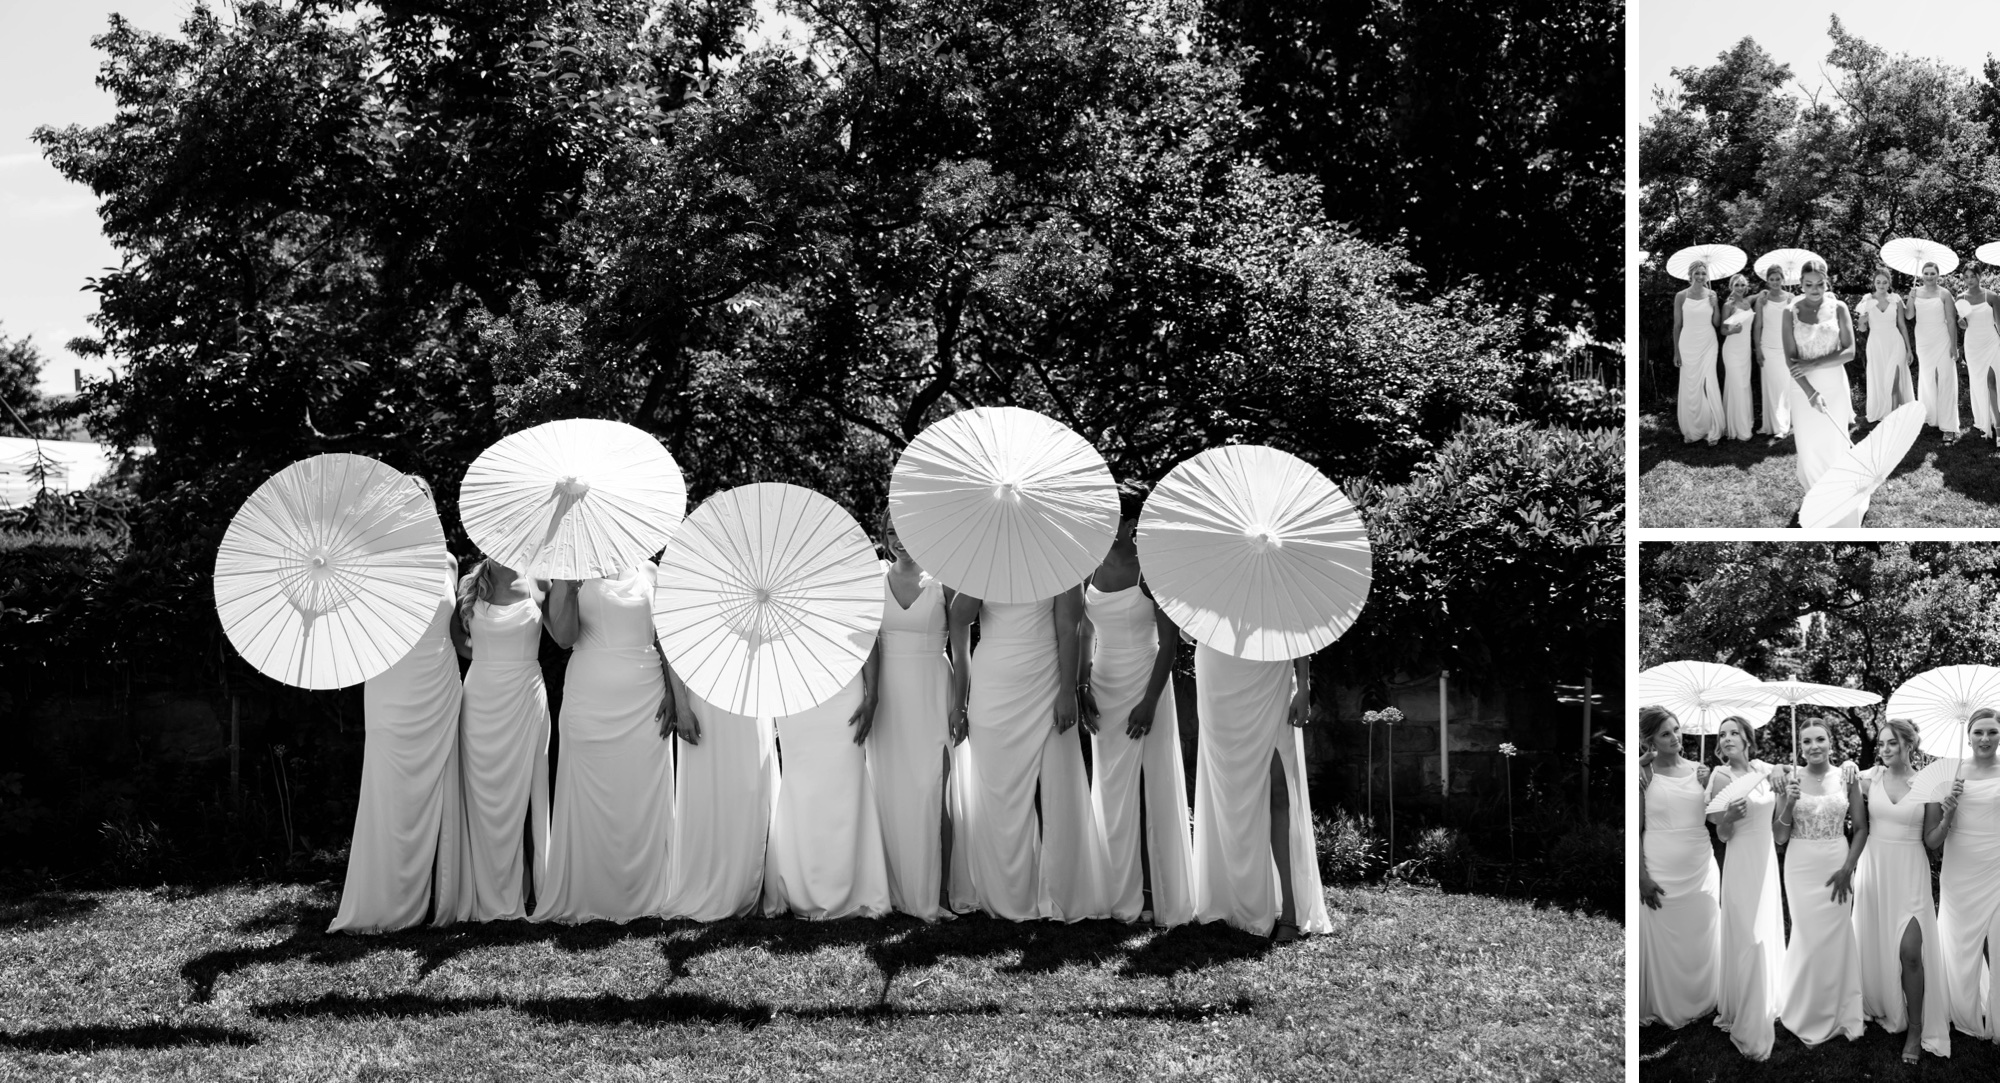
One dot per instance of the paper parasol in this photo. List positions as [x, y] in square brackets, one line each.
[1740, 786]
[1988, 253]
[328, 574]
[1722, 260]
[1702, 694]
[574, 499]
[768, 600]
[1909, 254]
[1004, 504]
[1940, 702]
[1255, 553]
[1792, 693]
[1792, 260]
[1840, 496]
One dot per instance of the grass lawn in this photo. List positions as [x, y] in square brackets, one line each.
[1699, 1051]
[241, 982]
[1751, 483]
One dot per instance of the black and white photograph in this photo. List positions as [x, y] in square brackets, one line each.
[811, 539]
[1819, 224]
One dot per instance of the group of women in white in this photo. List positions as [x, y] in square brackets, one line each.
[1868, 942]
[1798, 346]
[945, 778]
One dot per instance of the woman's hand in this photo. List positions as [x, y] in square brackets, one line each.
[1950, 802]
[1736, 810]
[1650, 893]
[1301, 708]
[1066, 713]
[1646, 756]
[1791, 786]
[1842, 883]
[1086, 708]
[1141, 721]
[688, 727]
[863, 719]
[1701, 774]
[664, 717]
[958, 725]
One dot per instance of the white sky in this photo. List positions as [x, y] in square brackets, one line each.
[1691, 33]
[49, 241]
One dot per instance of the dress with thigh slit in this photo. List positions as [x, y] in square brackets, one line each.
[1969, 906]
[1892, 891]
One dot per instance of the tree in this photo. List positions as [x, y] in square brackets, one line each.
[20, 384]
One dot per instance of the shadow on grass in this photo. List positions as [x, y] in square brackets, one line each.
[602, 1010]
[45, 908]
[147, 1036]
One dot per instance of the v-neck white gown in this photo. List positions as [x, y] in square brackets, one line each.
[1892, 890]
[614, 787]
[1242, 707]
[1982, 360]
[1678, 943]
[826, 858]
[1937, 373]
[409, 827]
[1821, 981]
[1128, 773]
[1023, 867]
[505, 756]
[1888, 358]
[908, 743]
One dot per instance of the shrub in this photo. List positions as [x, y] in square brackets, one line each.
[1442, 853]
[1349, 849]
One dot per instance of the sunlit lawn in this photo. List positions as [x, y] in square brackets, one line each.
[1699, 1051]
[242, 982]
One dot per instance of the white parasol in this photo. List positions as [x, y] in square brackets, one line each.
[1940, 703]
[768, 600]
[1909, 254]
[328, 574]
[1722, 260]
[1988, 253]
[1004, 504]
[1792, 693]
[1255, 553]
[1840, 497]
[1791, 260]
[574, 499]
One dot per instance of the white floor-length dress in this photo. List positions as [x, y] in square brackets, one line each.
[1937, 372]
[826, 858]
[1021, 867]
[614, 787]
[907, 745]
[1753, 927]
[409, 827]
[1700, 388]
[725, 786]
[1128, 773]
[1982, 360]
[1739, 419]
[1243, 709]
[1821, 984]
[504, 756]
[1969, 906]
[1773, 370]
[1892, 890]
[1888, 357]
[1679, 944]
[1822, 434]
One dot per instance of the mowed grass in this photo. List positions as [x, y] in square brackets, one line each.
[1699, 1051]
[1753, 483]
[242, 983]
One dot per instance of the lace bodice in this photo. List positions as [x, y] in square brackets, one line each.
[1820, 337]
[1821, 815]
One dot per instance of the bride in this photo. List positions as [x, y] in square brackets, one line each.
[1819, 342]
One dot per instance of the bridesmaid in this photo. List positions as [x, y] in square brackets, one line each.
[1126, 649]
[1895, 919]
[1738, 419]
[407, 856]
[614, 788]
[1982, 353]
[1767, 344]
[1821, 984]
[909, 732]
[1819, 341]
[1678, 881]
[1753, 930]
[724, 790]
[826, 859]
[505, 740]
[1881, 315]
[1255, 865]
[1966, 825]
[1021, 708]
[1929, 307]
[1696, 317]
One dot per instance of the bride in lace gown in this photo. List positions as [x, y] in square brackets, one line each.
[1819, 342]
[1821, 984]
